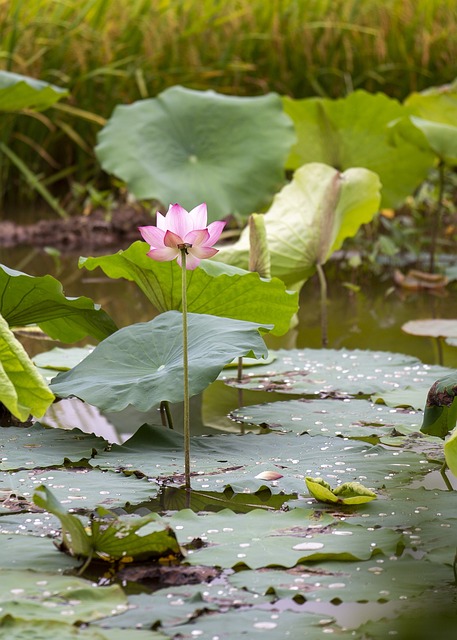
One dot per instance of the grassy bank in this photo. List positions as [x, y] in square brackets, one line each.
[113, 51]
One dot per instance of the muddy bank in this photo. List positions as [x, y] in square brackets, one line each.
[98, 230]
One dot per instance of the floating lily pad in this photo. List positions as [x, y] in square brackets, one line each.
[176, 605]
[377, 580]
[44, 596]
[27, 553]
[346, 418]
[38, 446]
[262, 539]
[271, 624]
[433, 328]
[236, 461]
[329, 371]
[83, 488]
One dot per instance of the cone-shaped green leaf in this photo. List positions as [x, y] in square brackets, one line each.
[310, 218]
[22, 390]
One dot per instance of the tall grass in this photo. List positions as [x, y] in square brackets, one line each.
[117, 51]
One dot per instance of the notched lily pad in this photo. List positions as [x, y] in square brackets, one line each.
[346, 493]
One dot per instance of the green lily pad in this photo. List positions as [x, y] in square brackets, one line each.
[83, 488]
[142, 365]
[378, 580]
[440, 413]
[58, 359]
[313, 372]
[271, 624]
[309, 220]
[348, 418]
[353, 132]
[27, 300]
[237, 461]
[213, 288]
[17, 629]
[199, 146]
[26, 553]
[261, 539]
[22, 92]
[38, 446]
[44, 596]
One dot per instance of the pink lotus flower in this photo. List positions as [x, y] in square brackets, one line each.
[180, 229]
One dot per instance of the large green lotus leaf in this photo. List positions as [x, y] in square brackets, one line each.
[44, 596]
[271, 623]
[310, 218]
[240, 461]
[213, 288]
[261, 539]
[346, 418]
[313, 372]
[83, 488]
[27, 300]
[353, 132]
[199, 146]
[338, 582]
[21, 92]
[37, 446]
[435, 115]
[22, 390]
[142, 364]
[438, 104]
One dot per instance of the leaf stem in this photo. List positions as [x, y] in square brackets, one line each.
[324, 316]
[437, 218]
[165, 414]
[186, 419]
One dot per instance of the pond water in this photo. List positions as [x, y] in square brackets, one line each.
[369, 318]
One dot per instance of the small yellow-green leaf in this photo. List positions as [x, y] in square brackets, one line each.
[347, 493]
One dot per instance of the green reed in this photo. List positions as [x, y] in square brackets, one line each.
[117, 51]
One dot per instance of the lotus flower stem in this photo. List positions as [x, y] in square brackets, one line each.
[186, 420]
[324, 316]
